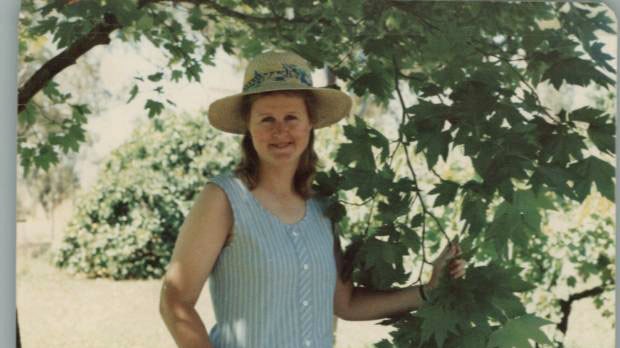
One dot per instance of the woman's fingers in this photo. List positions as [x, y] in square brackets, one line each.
[457, 268]
[448, 258]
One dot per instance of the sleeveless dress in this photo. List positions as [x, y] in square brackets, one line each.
[273, 285]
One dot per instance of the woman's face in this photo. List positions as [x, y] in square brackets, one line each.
[280, 128]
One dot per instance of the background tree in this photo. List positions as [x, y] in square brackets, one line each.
[52, 187]
[465, 75]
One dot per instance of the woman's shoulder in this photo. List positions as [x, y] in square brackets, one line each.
[225, 177]
[321, 201]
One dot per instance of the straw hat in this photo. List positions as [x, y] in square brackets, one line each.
[278, 71]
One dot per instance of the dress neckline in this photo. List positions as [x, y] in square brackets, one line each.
[271, 214]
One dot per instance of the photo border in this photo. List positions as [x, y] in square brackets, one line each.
[8, 150]
[8, 106]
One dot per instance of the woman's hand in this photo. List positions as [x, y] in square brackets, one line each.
[448, 258]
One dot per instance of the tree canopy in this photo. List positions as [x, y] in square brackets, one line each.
[466, 76]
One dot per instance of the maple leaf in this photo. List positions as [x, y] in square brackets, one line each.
[518, 332]
[437, 322]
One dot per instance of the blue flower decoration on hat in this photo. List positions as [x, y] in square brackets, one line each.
[288, 72]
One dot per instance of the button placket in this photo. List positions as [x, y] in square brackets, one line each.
[304, 286]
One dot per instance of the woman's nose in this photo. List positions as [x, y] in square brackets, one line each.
[279, 127]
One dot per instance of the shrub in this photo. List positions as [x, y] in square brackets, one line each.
[125, 227]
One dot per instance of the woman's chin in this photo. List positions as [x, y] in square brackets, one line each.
[283, 152]
[280, 157]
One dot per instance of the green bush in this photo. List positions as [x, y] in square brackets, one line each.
[125, 226]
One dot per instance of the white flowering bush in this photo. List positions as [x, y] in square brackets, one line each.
[126, 225]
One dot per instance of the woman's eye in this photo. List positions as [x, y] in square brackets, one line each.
[291, 117]
[267, 119]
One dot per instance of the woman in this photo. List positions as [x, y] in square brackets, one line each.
[261, 236]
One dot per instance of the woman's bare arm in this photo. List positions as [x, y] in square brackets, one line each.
[368, 304]
[198, 245]
[359, 303]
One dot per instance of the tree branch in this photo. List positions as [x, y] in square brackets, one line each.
[566, 305]
[99, 35]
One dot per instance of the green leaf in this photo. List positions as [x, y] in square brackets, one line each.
[29, 115]
[359, 154]
[362, 180]
[336, 211]
[446, 190]
[585, 114]
[373, 250]
[156, 77]
[473, 338]
[438, 322]
[52, 92]
[593, 169]
[375, 79]
[132, 93]
[411, 240]
[517, 332]
[125, 11]
[70, 140]
[46, 25]
[510, 305]
[562, 147]
[326, 182]
[383, 344]
[393, 253]
[556, 177]
[417, 220]
[154, 107]
[600, 57]
[46, 157]
[575, 71]
[349, 8]
[603, 137]
[176, 75]
[430, 89]
[193, 72]
[145, 22]
[196, 18]
[26, 156]
[473, 210]
[436, 145]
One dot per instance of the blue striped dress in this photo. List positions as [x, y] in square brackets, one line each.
[273, 285]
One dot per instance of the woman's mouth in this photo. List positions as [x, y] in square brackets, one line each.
[281, 145]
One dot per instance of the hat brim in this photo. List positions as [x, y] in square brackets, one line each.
[330, 107]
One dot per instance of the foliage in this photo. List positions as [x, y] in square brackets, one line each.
[126, 225]
[579, 259]
[473, 71]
